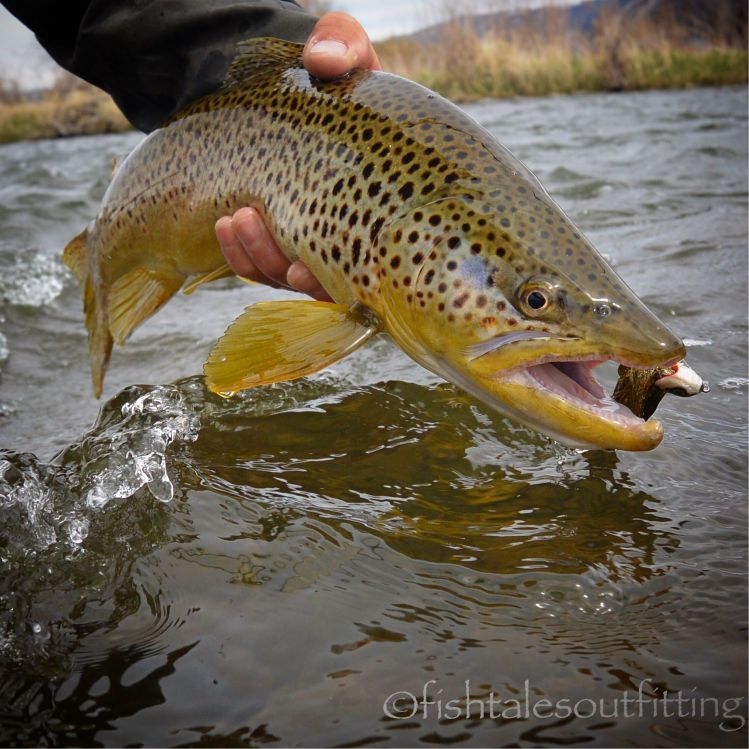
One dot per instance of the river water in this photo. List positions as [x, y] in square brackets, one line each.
[183, 570]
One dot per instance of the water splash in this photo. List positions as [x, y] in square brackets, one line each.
[127, 450]
[34, 279]
[56, 537]
[132, 452]
[27, 504]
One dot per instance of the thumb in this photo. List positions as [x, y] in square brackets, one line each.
[337, 44]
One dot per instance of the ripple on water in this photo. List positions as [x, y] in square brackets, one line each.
[734, 383]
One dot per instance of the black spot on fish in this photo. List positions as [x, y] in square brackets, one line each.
[375, 228]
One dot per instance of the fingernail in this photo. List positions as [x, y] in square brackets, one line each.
[329, 47]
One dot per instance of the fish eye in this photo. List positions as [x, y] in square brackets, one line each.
[537, 299]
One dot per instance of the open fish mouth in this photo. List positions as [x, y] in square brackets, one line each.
[547, 383]
[574, 382]
[562, 398]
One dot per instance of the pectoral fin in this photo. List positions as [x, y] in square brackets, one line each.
[279, 341]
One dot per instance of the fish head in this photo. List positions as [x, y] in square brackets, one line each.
[517, 307]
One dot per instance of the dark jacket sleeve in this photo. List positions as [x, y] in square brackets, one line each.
[155, 56]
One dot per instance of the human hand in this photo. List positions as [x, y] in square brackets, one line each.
[336, 45]
[251, 252]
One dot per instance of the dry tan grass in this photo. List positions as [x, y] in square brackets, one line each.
[69, 107]
[551, 57]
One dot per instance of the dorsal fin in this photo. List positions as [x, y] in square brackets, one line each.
[256, 55]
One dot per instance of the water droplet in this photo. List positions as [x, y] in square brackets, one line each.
[77, 530]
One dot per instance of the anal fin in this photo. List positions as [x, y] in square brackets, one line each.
[279, 341]
[223, 271]
[136, 296]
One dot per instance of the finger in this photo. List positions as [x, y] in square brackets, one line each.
[259, 246]
[300, 278]
[337, 44]
[234, 253]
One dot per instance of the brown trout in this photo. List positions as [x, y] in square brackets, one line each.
[414, 219]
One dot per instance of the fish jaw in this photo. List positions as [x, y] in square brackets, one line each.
[558, 395]
[564, 400]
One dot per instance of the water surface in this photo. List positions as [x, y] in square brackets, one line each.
[184, 570]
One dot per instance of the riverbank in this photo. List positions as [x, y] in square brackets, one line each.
[499, 70]
[546, 51]
[78, 109]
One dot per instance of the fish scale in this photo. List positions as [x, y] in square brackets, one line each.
[412, 217]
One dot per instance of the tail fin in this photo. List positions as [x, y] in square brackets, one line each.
[76, 257]
[99, 338]
[112, 313]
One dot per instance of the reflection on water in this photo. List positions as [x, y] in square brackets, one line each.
[269, 569]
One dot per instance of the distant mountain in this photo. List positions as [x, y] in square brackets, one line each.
[699, 16]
